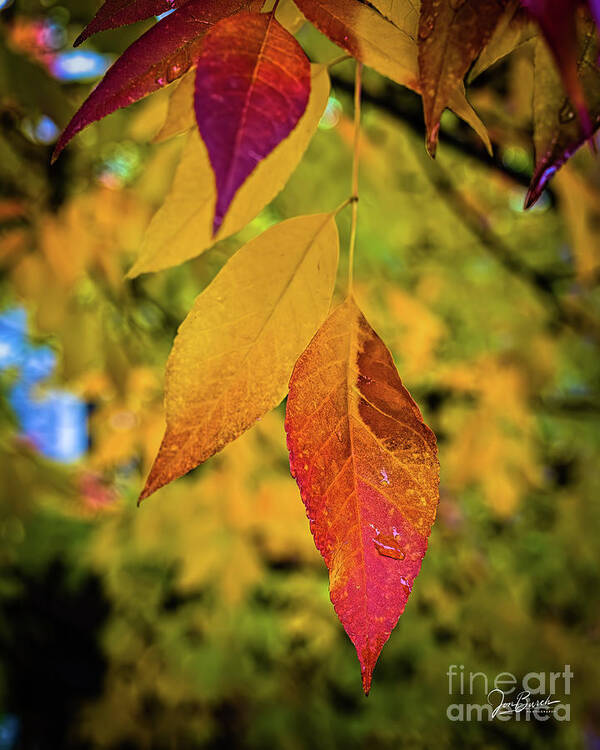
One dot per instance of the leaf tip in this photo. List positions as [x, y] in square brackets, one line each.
[149, 488]
[530, 198]
[133, 272]
[366, 681]
[432, 140]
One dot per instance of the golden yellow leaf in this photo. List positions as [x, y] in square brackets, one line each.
[182, 227]
[180, 114]
[288, 14]
[234, 353]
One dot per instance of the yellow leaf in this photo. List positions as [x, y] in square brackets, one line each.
[402, 13]
[234, 353]
[180, 114]
[288, 15]
[182, 227]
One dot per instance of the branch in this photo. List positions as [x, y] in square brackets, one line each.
[541, 282]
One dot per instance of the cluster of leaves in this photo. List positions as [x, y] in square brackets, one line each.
[365, 462]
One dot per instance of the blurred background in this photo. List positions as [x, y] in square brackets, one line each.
[202, 619]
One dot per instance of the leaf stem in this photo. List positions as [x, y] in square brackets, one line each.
[275, 4]
[342, 206]
[338, 60]
[354, 196]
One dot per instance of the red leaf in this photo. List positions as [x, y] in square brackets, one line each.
[115, 13]
[160, 56]
[252, 87]
[557, 20]
[367, 470]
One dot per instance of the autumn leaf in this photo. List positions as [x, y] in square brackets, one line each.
[557, 20]
[252, 87]
[287, 14]
[115, 13]
[180, 114]
[391, 51]
[367, 470]
[163, 54]
[182, 227]
[451, 35]
[512, 31]
[402, 13]
[234, 353]
[366, 35]
[557, 131]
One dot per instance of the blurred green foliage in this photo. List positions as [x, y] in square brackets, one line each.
[202, 619]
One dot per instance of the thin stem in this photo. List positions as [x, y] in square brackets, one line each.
[276, 3]
[338, 60]
[343, 205]
[354, 196]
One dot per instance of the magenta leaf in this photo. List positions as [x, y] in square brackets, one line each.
[163, 54]
[115, 13]
[252, 87]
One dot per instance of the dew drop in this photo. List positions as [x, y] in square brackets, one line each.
[566, 113]
[384, 477]
[161, 80]
[426, 27]
[388, 546]
[176, 70]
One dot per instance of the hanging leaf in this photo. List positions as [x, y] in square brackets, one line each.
[557, 131]
[391, 51]
[367, 470]
[557, 20]
[160, 56]
[512, 32]
[234, 353]
[451, 35]
[115, 13]
[182, 227]
[252, 87]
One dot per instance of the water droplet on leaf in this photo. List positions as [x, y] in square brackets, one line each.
[426, 27]
[388, 546]
[566, 112]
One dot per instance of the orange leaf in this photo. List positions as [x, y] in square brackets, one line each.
[367, 469]
[233, 355]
